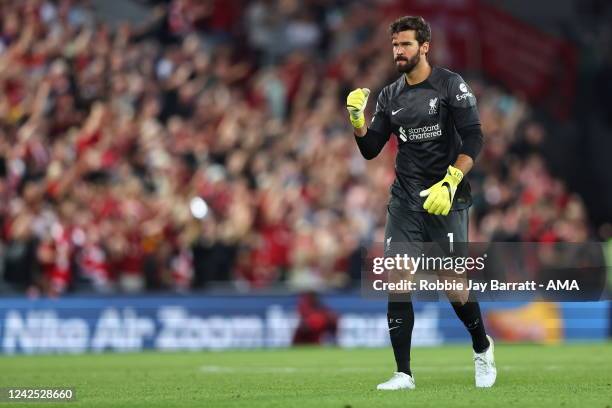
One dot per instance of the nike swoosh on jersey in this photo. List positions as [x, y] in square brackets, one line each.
[393, 112]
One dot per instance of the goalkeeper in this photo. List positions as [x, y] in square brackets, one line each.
[433, 114]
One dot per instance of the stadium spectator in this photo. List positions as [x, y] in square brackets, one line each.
[317, 323]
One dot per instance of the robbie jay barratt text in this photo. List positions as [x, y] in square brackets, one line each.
[493, 285]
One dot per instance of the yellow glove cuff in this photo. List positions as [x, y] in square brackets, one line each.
[454, 174]
[358, 122]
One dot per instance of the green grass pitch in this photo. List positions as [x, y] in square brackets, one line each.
[577, 375]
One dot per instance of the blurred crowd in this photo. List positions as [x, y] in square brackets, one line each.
[211, 143]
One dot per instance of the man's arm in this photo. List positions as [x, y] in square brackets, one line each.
[360, 132]
[464, 163]
[463, 110]
[472, 139]
[370, 143]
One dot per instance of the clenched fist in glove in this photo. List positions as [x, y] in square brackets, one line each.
[356, 103]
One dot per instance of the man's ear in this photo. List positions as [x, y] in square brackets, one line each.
[424, 48]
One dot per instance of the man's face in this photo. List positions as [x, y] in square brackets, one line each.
[406, 50]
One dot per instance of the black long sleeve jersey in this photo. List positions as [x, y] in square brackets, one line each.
[433, 121]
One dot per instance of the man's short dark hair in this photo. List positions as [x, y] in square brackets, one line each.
[422, 31]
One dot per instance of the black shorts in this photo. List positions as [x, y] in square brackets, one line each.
[416, 229]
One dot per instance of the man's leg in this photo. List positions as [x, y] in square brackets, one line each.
[470, 316]
[403, 234]
[463, 302]
[400, 318]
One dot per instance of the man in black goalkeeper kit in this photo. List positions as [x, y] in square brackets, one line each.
[433, 113]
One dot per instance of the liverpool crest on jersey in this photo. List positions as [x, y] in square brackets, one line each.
[433, 106]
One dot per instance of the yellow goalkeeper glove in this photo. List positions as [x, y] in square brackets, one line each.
[356, 103]
[440, 196]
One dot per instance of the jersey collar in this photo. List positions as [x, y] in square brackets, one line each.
[423, 83]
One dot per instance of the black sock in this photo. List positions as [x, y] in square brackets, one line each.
[400, 318]
[469, 314]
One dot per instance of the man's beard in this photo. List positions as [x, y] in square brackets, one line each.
[409, 64]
